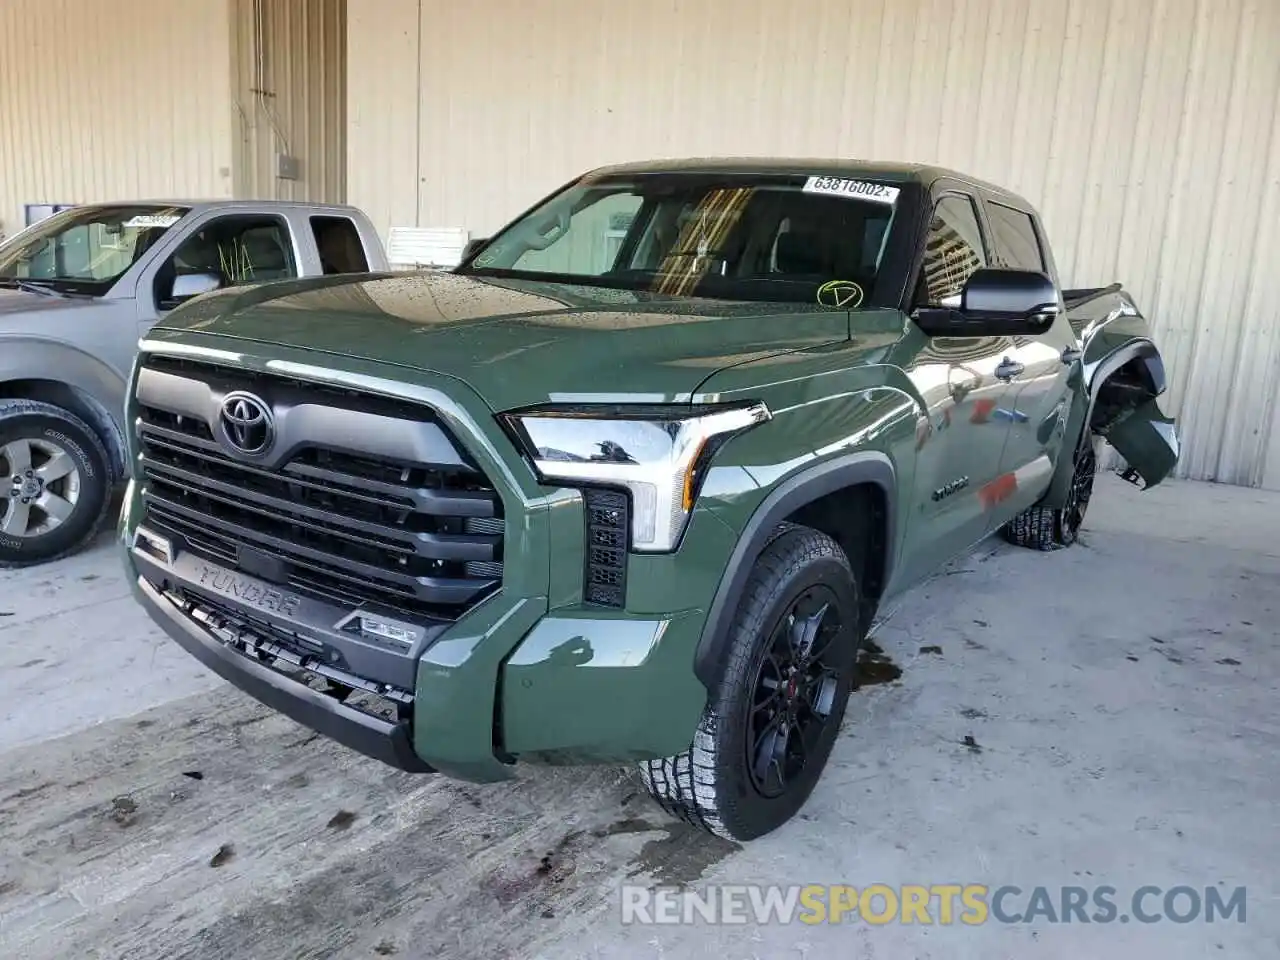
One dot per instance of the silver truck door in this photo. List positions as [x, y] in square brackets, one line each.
[240, 245]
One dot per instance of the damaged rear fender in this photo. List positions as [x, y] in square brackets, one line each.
[1148, 441]
[1123, 409]
[1117, 398]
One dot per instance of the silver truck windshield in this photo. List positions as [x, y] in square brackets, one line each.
[85, 249]
[759, 237]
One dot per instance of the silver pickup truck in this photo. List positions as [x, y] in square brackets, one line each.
[78, 289]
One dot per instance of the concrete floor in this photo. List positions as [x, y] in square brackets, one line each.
[1121, 698]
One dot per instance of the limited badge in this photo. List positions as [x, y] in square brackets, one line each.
[840, 294]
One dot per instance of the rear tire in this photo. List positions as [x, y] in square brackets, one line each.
[1049, 528]
[54, 483]
[775, 712]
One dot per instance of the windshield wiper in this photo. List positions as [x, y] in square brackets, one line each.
[16, 283]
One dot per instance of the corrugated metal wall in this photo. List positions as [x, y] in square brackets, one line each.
[383, 100]
[101, 100]
[290, 76]
[1146, 131]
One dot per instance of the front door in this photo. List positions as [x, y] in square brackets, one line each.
[961, 438]
[232, 249]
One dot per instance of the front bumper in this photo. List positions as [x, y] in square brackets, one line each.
[529, 673]
[513, 680]
[385, 740]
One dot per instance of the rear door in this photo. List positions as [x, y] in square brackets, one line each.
[1040, 367]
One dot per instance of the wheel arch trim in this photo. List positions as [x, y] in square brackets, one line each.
[1097, 371]
[786, 498]
[97, 389]
[1095, 376]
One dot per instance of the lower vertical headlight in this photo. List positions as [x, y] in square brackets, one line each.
[657, 454]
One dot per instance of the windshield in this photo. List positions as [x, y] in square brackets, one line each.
[85, 249]
[787, 238]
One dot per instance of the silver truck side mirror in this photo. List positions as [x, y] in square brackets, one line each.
[190, 285]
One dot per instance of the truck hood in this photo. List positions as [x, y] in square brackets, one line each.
[514, 342]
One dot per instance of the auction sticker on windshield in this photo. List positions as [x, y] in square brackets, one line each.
[857, 189]
[162, 220]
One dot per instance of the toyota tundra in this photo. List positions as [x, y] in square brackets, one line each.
[631, 483]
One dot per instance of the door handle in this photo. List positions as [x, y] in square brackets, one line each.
[1008, 369]
[1071, 354]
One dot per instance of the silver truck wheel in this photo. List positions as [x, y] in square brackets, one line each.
[44, 486]
[54, 486]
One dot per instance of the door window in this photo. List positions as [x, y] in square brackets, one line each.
[338, 242]
[234, 250]
[953, 251]
[1016, 238]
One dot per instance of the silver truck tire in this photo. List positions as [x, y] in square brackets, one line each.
[55, 485]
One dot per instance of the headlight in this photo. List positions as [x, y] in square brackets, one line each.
[658, 454]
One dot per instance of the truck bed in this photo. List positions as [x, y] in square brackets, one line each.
[1082, 295]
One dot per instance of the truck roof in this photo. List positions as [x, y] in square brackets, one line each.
[900, 171]
[200, 204]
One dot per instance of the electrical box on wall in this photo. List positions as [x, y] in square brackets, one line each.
[287, 167]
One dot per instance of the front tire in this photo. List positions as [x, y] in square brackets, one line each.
[1048, 528]
[54, 484]
[773, 716]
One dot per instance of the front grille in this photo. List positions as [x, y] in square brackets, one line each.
[608, 522]
[354, 527]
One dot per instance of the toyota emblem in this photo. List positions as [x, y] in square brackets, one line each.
[247, 424]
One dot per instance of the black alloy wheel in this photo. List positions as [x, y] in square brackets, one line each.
[1081, 489]
[784, 676]
[794, 691]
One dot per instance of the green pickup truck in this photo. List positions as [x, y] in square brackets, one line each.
[630, 484]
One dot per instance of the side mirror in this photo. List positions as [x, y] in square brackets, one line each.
[188, 285]
[473, 247]
[996, 303]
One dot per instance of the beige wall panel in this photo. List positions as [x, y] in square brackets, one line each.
[1145, 130]
[382, 110]
[112, 100]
